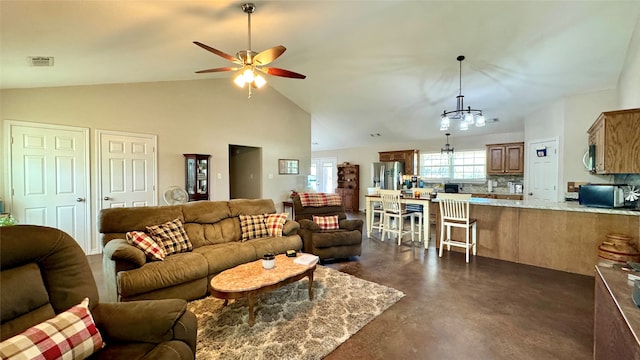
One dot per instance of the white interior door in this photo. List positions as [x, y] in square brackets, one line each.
[542, 170]
[127, 164]
[50, 178]
[324, 170]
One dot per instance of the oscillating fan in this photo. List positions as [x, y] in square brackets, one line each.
[175, 195]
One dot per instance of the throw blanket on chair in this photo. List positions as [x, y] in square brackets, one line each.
[319, 199]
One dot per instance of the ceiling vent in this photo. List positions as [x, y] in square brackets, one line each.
[41, 60]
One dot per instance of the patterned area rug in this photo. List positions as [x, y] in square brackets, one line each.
[288, 325]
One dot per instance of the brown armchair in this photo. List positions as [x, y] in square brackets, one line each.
[341, 243]
[45, 272]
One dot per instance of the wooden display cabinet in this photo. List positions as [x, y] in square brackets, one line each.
[409, 158]
[348, 186]
[505, 159]
[616, 136]
[197, 176]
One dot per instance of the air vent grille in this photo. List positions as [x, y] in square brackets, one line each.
[41, 60]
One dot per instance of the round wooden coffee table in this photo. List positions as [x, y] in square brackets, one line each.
[251, 279]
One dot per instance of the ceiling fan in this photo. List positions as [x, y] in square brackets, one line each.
[249, 62]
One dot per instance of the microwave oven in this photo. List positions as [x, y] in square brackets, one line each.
[602, 195]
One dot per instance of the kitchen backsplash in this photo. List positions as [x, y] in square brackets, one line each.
[501, 187]
[631, 179]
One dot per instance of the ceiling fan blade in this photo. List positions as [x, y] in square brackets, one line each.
[218, 52]
[283, 73]
[267, 56]
[217, 70]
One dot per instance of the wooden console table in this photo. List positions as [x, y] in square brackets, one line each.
[289, 204]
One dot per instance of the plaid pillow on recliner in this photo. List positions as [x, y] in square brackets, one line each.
[327, 222]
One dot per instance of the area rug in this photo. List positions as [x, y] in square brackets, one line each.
[287, 324]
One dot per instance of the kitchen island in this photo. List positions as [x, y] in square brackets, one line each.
[556, 235]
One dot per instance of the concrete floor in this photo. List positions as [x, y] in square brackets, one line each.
[487, 309]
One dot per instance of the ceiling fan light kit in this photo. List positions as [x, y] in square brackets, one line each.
[250, 62]
[466, 116]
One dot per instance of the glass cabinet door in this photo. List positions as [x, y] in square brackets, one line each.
[197, 176]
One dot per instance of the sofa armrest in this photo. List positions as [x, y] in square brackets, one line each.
[290, 228]
[306, 224]
[152, 321]
[120, 250]
[353, 224]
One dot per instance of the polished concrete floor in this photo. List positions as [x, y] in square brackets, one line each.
[487, 309]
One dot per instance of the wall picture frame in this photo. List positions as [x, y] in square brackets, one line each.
[288, 166]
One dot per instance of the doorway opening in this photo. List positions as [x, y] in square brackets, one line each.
[245, 172]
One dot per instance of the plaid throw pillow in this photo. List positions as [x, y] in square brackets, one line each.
[146, 243]
[253, 227]
[171, 236]
[326, 222]
[70, 335]
[275, 223]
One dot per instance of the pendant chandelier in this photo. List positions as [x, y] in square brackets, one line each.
[466, 116]
[447, 149]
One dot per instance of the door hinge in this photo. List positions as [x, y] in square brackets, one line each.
[13, 192]
[12, 140]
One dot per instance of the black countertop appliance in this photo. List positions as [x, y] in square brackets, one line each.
[451, 188]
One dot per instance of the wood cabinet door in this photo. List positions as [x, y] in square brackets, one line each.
[495, 159]
[514, 159]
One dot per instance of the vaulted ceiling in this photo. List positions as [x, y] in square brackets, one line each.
[373, 67]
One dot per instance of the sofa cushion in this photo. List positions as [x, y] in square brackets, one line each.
[171, 236]
[326, 222]
[144, 242]
[225, 256]
[175, 269]
[71, 334]
[275, 245]
[253, 227]
[275, 223]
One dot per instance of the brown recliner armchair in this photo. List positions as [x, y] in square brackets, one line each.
[45, 272]
[328, 244]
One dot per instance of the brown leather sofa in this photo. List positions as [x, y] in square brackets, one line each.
[213, 227]
[328, 244]
[45, 272]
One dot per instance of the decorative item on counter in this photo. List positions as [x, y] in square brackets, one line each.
[268, 261]
[633, 194]
[7, 220]
[617, 249]
[293, 194]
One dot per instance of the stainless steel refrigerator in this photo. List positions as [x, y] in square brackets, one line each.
[387, 175]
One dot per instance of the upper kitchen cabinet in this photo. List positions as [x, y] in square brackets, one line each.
[505, 159]
[408, 157]
[616, 136]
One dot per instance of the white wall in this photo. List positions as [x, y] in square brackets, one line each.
[629, 82]
[201, 116]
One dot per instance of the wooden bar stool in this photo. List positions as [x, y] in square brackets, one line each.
[454, 212]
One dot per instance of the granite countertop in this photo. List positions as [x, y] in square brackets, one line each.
[549, 205]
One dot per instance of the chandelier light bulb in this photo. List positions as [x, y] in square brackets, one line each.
[464, 125]
[468, 118]
[480, 121]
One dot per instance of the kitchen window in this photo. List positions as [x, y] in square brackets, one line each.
[462, 165]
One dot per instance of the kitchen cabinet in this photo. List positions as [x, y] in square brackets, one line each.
[409, 158]
[616, 136]
[197, 176]
[348, 186]
[505, 159]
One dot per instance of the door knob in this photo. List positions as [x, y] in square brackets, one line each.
[106, 198]
[530, 194]
[79, 199]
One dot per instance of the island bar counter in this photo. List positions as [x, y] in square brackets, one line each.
[559, 236]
